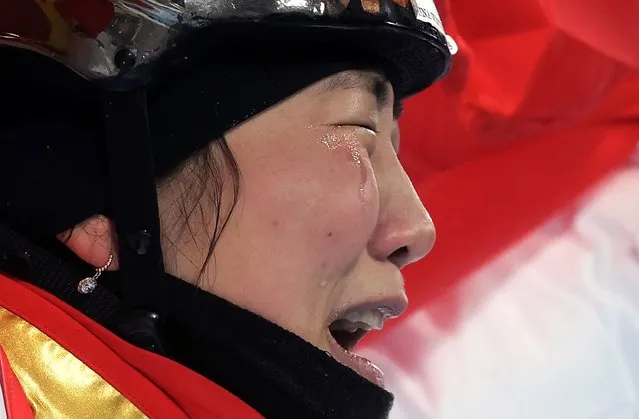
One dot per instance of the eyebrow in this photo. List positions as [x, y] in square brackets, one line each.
[398, 109]
[374, 83]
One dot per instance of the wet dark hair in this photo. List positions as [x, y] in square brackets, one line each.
[204, 178]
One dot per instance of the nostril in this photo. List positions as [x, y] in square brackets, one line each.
[399, 256]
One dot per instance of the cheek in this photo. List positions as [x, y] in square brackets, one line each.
[317, 198]
[348, 202]
[350, 171]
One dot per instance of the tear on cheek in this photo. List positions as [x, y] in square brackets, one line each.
[355, 151]
[348, 144]
[368, 194]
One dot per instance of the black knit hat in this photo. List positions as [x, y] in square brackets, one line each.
[54, 164]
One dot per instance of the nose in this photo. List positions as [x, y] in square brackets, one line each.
[405, 232]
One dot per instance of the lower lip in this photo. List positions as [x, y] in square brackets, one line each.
[360, 365]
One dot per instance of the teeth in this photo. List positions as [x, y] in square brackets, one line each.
[366, 320]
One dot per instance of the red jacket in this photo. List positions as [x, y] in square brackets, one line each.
[56, 361]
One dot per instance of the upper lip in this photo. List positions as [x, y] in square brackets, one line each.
[392, 306]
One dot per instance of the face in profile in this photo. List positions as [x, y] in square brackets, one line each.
[325, 219]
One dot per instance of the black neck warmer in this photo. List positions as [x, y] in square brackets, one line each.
[274, 371]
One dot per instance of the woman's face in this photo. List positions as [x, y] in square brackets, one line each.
[325, 220]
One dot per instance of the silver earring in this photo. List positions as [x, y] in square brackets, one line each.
[88, 284]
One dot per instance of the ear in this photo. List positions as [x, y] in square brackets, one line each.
[94, 241]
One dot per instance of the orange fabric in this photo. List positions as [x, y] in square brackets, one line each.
[15, 401]
[541, 103]
[160, 387]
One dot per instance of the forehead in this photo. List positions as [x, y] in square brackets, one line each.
[356, 79]
[372, 82]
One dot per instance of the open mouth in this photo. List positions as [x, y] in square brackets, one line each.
[352, 326]
[348, 330]
[348, 340]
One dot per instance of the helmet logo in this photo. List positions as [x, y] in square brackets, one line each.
[426, 11]
[374, 7]
[371, 6]
[52, 26]
[60, 32]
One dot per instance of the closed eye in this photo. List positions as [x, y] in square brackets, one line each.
[369, 127]
[370, 142]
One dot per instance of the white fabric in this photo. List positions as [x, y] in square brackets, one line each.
[549, 330]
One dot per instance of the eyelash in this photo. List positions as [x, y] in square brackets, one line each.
[369, 127]
[371, 145]
[360, 125]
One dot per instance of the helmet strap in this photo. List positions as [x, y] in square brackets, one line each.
[134, 202]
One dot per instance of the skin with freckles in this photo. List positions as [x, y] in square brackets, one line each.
[326, 215]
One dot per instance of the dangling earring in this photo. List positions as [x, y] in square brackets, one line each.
[88, 284]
